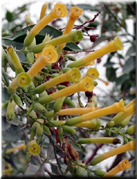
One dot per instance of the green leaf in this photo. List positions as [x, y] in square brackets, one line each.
[9, 16]
[12, 134]
[109, 64]
[93, 24]
[7, 42]
[122, 79]
[129, 65]
[5, 95]
[110, 25]
[5, 124]
[130, 51]
[111, 74]
[72, 47]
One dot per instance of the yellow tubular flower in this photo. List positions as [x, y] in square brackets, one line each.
[123, 148]
[15, 59]
[123, 165]
[112, 46]
[84, 85]
[33, 148]
[43, 11]
[58, 11]
[115, 108]
[131, 103]
[76, 111]
[48, 55]
[16, 148]
[105, 82]
[93, 124]
[71, 75]
[75, 12]
[92, 73]
[123, 114]
[102, 140]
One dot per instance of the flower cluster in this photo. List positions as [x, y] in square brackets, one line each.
[43, 89]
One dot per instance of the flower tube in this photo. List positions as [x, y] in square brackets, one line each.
[112, 46]
[48, 55]
[122, 115]
[106, 82]
[123, 165]
[131, 103]
[58, 11]
[74, 36]
[123, 148]
[75, 12]
[84, 85]
[93, 124]
[102, 140]
[72, 75]
[15, 59]
[43, 11]
[16, 148]
[76, 111]
[114, 108]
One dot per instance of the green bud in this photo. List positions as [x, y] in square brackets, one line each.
[72, 58]
[44, 93]
[50, 114]
[69, 102]
[125, 121]
[53, 123]
[131, 130]
[30, 57]
[4, 106]
[99, 173]
[68, 129]
[110, 124]
[46, 129]
[58, 104]
[39, 129]
[94, 100]
[17, 99]
[39, 107]
[60, 87]
[10, 115]
[80, 171]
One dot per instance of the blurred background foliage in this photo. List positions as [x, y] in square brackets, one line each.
[119, 67]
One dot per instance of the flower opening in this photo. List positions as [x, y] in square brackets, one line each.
[59, 10]
[75, 12]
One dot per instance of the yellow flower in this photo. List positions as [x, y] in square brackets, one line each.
[23, 79]
[75, 12]
[59, 10]
[86, 84]
[34, 148]
[123, 165]
[92, 73]
[49, 54]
